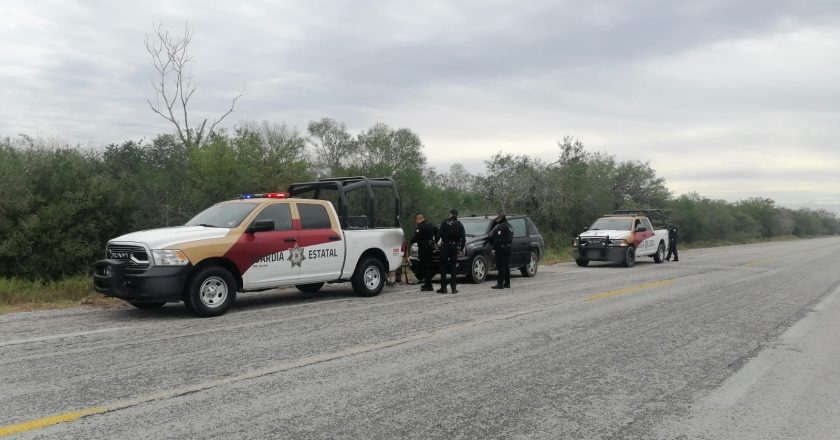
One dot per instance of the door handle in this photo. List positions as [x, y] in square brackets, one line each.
[290, 239]
[334, 238]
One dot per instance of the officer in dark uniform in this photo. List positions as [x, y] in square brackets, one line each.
[673, 237]
[501, 237]
[425, 235]
[452, 241]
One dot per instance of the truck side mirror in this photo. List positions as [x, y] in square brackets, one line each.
[260, 226]
[641, 229]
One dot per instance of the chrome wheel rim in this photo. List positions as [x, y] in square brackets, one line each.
[661, 252]
[532, 265]
[479, 268]
[213, 292]
[372, 277]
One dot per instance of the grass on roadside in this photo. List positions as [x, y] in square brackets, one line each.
[21, 295]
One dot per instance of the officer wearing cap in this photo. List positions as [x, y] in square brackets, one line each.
[453, 239]
[673, 237]
[501, 238]
[425, 235]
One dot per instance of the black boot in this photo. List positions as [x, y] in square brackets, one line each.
[498, 286]
[442, 290]
[454, 290]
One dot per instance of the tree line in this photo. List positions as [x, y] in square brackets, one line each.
[59, 203]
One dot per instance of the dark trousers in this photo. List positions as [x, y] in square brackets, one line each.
[448, 263]
[672, 249]
[503, 265]
[425, 254]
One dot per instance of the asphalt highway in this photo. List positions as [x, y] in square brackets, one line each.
[731, 342]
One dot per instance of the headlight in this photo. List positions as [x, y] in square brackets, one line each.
[618, 243]
[170, 257]
[576, 242]
[475, 245]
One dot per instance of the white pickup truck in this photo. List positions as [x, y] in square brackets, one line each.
[623, 237]
[305, 237]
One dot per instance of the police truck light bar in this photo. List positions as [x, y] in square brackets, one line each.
[274, 195]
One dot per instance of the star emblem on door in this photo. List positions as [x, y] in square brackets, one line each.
[296, 255]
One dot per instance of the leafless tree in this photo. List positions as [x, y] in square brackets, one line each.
[174, 87]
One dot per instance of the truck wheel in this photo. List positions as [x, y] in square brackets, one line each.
[582, 262]
[309, 288]
[369, 277]
[629, 257]
[530, 269]
[210, 292]
[147, 305]
[478, 269]
[659, 256]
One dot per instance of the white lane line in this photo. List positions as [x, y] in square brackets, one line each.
[734, 388]
[64, 335]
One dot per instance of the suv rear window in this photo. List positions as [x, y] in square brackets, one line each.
[518, 226]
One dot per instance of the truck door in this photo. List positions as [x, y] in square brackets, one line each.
[270, 251]
[643, 231]
[321, 243]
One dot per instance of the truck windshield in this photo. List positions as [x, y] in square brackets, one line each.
[223, 215]
[475, 227]
[616, 224]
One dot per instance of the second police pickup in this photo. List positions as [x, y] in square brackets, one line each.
[331, 230]
[623, 237]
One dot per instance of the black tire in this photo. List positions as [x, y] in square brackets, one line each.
[369, 278]
[530, 269]
[478, 269]
[147, 305]
[309, 288]
[582, 262]
[629, 257]
[210, 292]
[659, 256]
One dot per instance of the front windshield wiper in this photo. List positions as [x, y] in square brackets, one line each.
[208, 226]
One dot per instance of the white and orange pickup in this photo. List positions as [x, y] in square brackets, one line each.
[622, 238]
[305, 237]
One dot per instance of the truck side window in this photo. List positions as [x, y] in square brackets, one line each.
[280, 214]
[313, 216]
[518, 226]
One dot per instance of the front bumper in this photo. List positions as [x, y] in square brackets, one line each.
[156, 284]
[613, 254]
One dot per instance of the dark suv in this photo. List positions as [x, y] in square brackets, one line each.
[526, 251]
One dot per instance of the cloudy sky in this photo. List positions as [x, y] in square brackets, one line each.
[728, 98]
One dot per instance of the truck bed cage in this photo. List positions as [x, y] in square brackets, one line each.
[656, 216]
[344, 185]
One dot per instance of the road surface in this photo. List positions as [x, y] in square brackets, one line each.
[733, 342]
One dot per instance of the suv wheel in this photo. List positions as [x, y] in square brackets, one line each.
[478, 269]
[582, 262]
[211, 292]
[530, 269]
[369, 278]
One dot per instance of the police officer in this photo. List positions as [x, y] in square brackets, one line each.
[453, 239]
[501, 237]
[425, 235]
[673, 237]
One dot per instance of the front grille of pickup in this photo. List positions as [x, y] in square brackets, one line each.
[593, 243]
[135, 257]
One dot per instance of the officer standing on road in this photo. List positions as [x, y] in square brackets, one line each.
[425, 235]
[453, 239]
[673, 237]
[501, 238]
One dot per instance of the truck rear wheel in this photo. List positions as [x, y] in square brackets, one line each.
[211, 292]
[629, 257]
[369, 277]
[659, 256]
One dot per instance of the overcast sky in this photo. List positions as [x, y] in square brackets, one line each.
[728, 98]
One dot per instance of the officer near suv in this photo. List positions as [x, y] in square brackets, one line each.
[453, 240]
[425, 235]
[501, 237]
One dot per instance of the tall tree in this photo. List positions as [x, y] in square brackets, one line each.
[334, 145]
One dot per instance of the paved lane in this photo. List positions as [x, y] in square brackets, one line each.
[597, 352]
